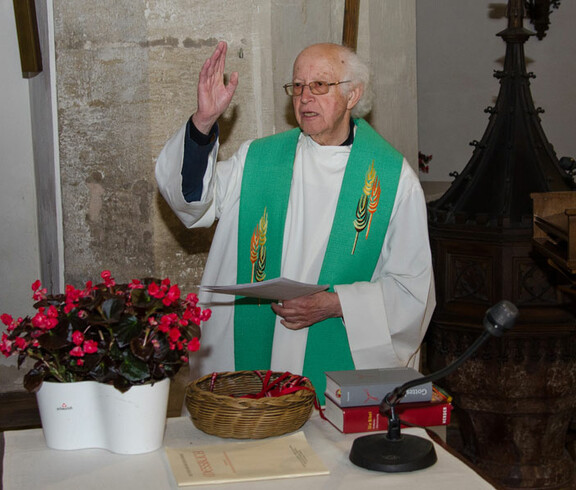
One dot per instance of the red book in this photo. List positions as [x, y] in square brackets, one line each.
[368, 419]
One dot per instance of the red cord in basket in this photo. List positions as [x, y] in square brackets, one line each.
[285, 384]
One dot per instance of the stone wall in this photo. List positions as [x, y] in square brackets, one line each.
[126, 80]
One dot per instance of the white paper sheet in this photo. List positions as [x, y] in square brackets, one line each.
[276, 289]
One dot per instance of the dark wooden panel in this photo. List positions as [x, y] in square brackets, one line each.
[350, 30]
[28, 40]
[18, 410]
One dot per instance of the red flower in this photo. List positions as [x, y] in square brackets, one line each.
[68, 307]
[193, 345]
[191, 299]
[77, 351]
[174, 334]
[73, 296]
[88, 289]
[6, 345]
[165, 323]
[136, 284]
[172, 295]
[39, 292]
[188, 314]
[9, 322]
[15, 324]
[7, 319]
[155, 291]
[39, 319]
[20, 343]
[108, 279]
[90, 346]
[206, 314]
[52, 317]
[77, 337]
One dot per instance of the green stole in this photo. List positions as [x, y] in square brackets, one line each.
[362, 215]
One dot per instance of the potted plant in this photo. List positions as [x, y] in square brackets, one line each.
[101, 343]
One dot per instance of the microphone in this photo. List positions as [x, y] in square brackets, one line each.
[394, 452]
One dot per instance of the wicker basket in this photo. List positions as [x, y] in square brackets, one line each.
[216, 412]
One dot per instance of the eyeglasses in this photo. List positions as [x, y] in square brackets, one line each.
[317, 87]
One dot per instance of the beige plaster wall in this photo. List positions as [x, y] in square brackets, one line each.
[195, 29]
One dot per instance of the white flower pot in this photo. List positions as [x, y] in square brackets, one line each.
[88, 414]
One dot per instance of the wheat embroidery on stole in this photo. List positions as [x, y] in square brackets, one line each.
[367, 204]
[258, 249]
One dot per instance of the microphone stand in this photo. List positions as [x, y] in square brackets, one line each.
[395, 452]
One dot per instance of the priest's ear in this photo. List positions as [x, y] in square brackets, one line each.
[353, 96]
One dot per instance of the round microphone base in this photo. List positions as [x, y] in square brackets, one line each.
[377, 452]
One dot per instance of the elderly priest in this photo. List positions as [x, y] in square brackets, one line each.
[330, 202]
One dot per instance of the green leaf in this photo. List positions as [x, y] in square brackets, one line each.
[126, 330]
[142, 352]
[53, 340]
[121, 384]
[162, 350]
[33, 380]
[166, 370]
[191, 330]
[22, 356]
[133, 369]
[159, 372]
[140, 298]
[112, 309]
[90, 362]
[104, 370]
[115, 353]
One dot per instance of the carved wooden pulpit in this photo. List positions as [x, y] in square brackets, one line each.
[515, 399]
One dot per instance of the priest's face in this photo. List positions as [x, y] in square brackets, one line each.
[324, 117]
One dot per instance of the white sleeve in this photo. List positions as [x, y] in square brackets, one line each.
[386, 318]
[221, 184]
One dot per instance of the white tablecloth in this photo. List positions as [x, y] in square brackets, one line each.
[30, 465]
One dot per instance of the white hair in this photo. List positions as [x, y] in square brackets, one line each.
[359, 72]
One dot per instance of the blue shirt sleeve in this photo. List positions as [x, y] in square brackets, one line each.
[197, 148]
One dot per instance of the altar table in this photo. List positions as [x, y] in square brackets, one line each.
[29, 465]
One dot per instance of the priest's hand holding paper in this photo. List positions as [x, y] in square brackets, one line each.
[305, 311]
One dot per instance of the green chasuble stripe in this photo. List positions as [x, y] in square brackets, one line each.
[360, 223]
[263, 205]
